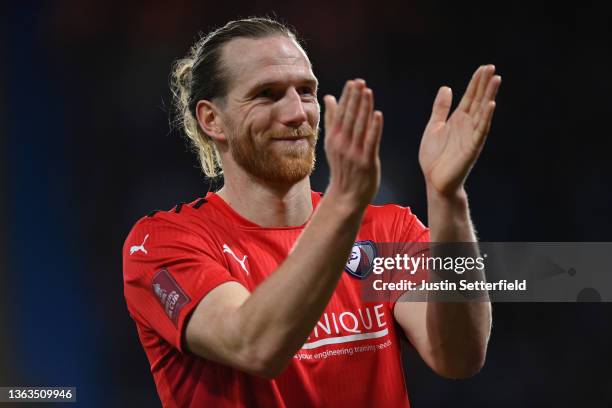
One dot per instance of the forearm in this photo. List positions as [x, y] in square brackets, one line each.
[459, 330]
[280, 314]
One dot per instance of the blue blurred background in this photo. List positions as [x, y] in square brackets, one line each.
[86, 150]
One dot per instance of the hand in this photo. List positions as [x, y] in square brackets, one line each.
[451, 145]
[352, 139]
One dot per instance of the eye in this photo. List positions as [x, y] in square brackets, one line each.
[264, 93]
[306, 90]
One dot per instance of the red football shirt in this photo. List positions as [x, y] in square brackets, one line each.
[173, 259]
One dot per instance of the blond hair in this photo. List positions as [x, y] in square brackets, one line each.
[180, 84]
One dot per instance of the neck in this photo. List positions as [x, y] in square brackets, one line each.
[265, 204]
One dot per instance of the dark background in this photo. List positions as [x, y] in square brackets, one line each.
[86, 150]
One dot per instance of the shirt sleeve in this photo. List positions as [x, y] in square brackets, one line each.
[410, 228]
[167, 270]
[412, 238]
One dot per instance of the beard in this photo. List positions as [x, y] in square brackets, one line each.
[279, 162]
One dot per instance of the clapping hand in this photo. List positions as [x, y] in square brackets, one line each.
[451, 145]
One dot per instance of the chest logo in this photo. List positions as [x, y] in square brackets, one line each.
[361, 259]
[242, 261]
[140, 247]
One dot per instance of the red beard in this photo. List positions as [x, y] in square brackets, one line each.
[274, 160]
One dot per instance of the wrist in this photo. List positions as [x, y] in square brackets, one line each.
[343, 205]
[457, 199]
[449, 218]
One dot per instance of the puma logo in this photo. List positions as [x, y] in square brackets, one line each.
[227, 249]
[140, 247]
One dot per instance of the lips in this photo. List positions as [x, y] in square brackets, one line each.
[290, 138]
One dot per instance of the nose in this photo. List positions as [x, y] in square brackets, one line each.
[292, 112]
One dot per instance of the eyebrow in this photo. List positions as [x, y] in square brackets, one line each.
[312, 82]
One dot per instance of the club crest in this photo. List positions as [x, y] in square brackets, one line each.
[360, 261]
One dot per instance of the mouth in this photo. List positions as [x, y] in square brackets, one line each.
[290, 139]
[296, 145]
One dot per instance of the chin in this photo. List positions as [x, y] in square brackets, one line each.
[282, 163]
[290, 171]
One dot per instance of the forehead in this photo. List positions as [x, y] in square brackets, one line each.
[251, 61]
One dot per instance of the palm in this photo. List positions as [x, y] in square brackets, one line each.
[451, 145]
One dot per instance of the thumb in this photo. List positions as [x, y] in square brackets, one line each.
[442, 105]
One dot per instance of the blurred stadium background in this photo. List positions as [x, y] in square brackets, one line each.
[86, 150]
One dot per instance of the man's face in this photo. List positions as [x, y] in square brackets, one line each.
[271, 113]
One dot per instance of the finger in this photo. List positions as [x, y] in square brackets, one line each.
[441, 105]
[371, 145]
[371, 117]
[490, 95]
[330, 110]
[361, 123]
[378, 134]
[348, 121]
[470, 92]
[492, 88]
[485, 123]
[348, 86]
[486, 75]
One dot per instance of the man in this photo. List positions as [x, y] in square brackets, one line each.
[240, 298]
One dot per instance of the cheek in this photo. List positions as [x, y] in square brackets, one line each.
[258, 121]
[314, 115]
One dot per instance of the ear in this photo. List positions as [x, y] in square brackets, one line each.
[209, 120]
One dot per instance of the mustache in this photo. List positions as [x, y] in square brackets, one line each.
[303, 131]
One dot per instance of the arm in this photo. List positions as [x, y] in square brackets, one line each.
[260, 332]
[452, 337]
